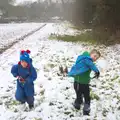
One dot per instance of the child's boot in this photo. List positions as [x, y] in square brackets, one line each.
[86, 109]
[86, 112]
[76, 105]
[22, 102]
[78, 102]
[31, 107]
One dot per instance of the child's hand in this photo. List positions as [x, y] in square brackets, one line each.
[97, 74]
[21, 79]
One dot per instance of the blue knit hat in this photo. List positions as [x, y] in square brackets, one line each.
[24, 56]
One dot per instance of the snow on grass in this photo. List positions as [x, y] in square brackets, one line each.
[11, 32]
[55, 94]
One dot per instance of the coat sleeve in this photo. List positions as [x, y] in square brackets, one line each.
[14, 71]
[33, 75]
[91, 65]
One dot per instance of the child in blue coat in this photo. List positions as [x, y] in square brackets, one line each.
[80, 71]
[25, 74]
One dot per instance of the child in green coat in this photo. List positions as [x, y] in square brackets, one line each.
[81, 72]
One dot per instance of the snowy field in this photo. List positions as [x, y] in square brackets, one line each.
[12, 32]
[55, 94]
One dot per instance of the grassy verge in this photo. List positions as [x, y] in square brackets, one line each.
[96, 36]
[84, 37]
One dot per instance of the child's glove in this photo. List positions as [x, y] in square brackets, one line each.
[21, 80]
[97, 74]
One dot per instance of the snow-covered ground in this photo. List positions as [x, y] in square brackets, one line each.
[55, 94]
[12, 32]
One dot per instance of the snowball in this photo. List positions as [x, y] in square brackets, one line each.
[102, 64]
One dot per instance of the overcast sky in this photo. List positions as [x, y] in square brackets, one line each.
[21, 1]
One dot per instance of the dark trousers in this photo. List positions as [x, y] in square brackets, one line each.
[82, 91]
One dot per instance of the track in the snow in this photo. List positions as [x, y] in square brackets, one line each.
[6, 47]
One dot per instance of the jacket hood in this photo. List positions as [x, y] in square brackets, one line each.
[87, 55]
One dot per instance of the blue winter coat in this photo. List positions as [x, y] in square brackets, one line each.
[29, 74]
[83, 64]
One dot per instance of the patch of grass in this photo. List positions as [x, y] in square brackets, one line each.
[51, 65]
[118, 97]
[37, 69]
[67, 112]
[42, 91]
[76, 27]
[83, 37]
[37, 119]
[104, 112]
[115, 78]
[12, 103]
[94, 96]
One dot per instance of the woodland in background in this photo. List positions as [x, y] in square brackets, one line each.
[102, 16]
